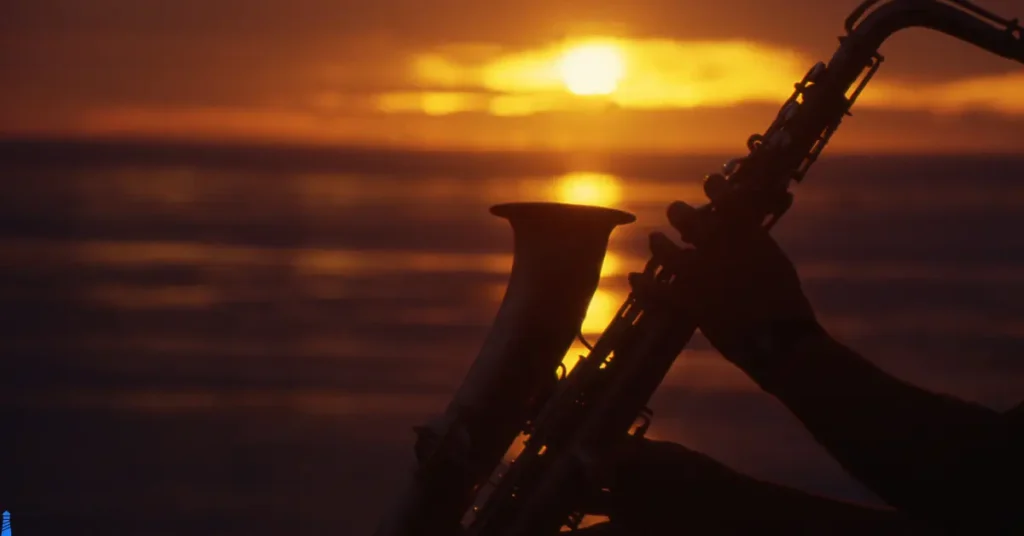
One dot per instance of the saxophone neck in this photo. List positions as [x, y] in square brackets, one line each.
[806, 122]
[871, 24]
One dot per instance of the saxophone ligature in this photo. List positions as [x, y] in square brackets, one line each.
[568, 422]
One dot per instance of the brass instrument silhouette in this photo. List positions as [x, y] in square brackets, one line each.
[570, 423]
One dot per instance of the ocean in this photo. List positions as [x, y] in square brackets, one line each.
[222, 340]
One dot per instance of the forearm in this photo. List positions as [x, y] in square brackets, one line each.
[674, 487]
[793, 511]
[738, 504]
[930, 455]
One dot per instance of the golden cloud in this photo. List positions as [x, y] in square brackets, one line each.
[659, 74]
[997, 93]
[662, 95]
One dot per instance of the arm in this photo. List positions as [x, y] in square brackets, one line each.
[933, 456]
[662, 487]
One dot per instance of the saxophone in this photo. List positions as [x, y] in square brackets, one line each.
[517, 396]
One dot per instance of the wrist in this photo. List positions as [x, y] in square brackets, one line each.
[780, 338]
[773, 350]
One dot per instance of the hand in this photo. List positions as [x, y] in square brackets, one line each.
[658, 486]
[742, 289]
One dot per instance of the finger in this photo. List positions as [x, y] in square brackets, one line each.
[623, 456]
[668, 253]
[689, 291]
[600, 503]
[655, 452]
[712, 235]
[601, 529]
[685, 220]
[637, 455]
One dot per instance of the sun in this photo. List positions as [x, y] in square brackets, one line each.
[592, 69]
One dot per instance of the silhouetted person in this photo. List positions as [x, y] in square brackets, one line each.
[945, 465]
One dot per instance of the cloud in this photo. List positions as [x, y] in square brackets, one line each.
[661, 74]
[62, 58]
[210, 122]
[699, 77]
[1003, 94]
[673, 95]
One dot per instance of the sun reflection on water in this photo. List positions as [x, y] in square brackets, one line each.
[614, 265]
[572, 357]
[602, 309]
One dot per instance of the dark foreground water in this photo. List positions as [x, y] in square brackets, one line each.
[239, 342]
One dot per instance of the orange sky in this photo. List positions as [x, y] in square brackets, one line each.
[504, 74]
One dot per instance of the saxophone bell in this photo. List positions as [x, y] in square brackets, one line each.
[559, 250]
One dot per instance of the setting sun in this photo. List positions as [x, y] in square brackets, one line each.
[592, 69]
